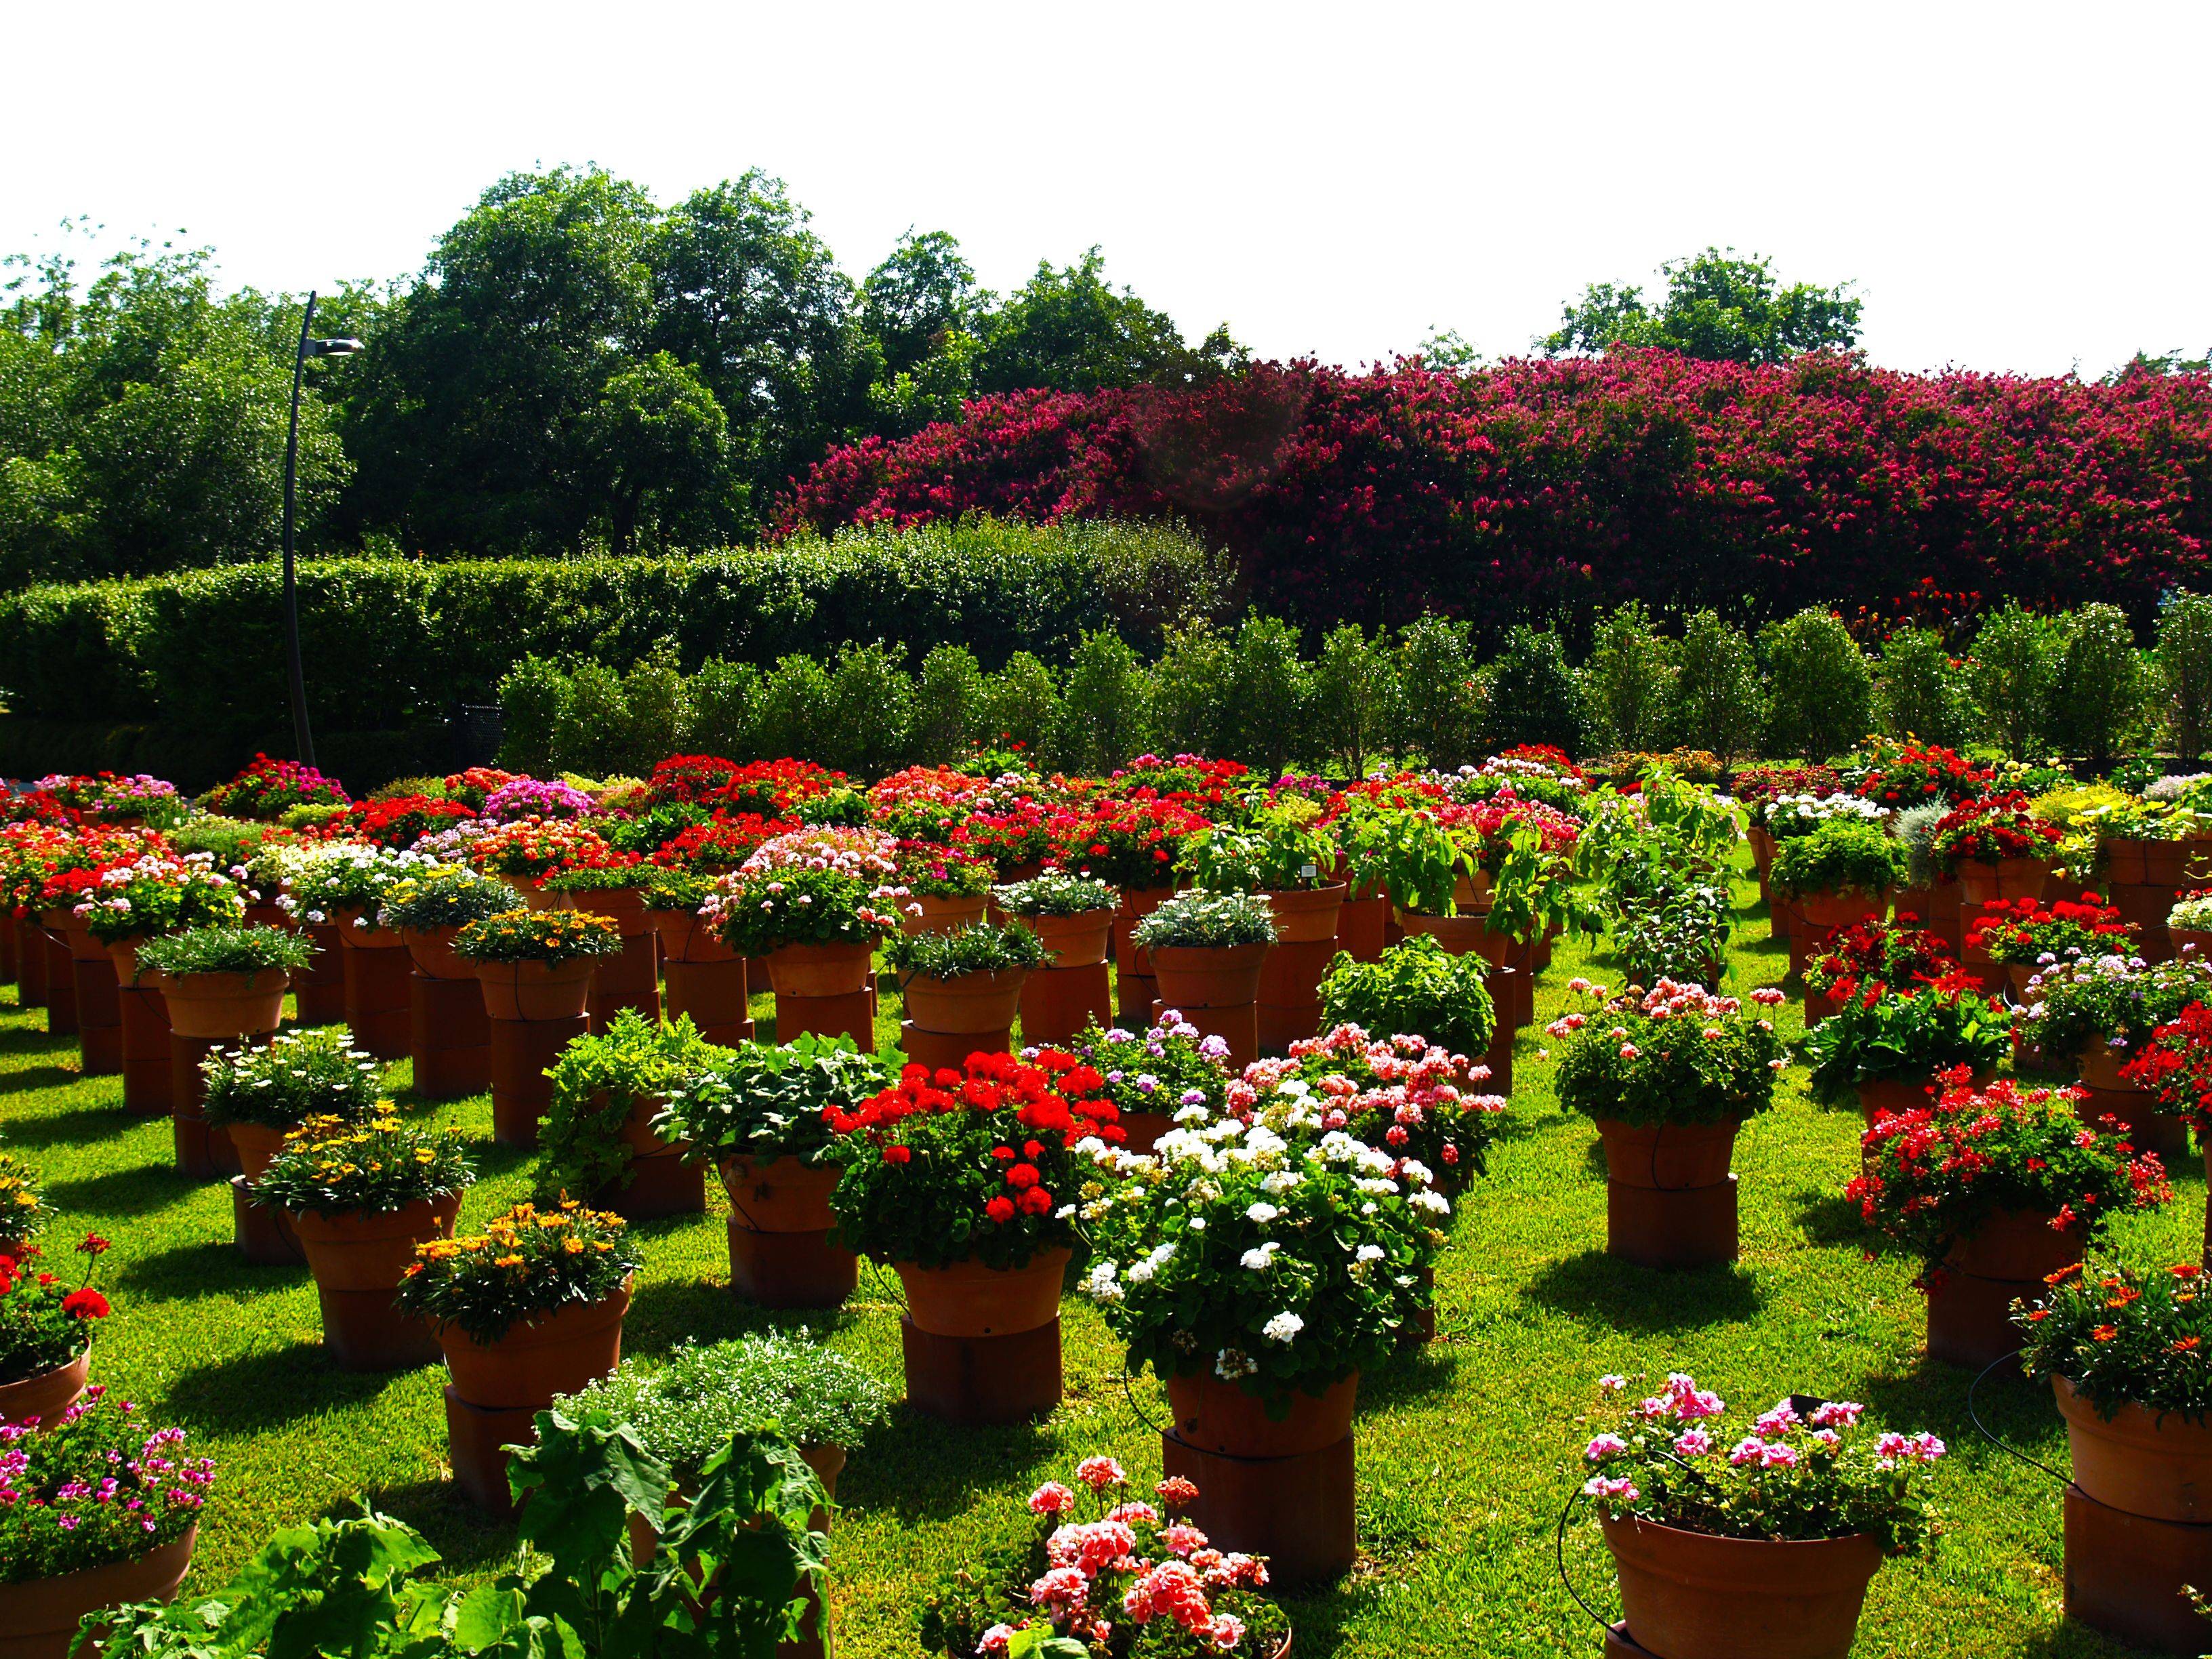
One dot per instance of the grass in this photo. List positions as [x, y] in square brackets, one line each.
[1466, 1449]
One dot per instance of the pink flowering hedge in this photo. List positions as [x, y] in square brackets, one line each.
[1378, 494]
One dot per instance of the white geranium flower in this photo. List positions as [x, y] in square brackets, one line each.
[1283, 1327]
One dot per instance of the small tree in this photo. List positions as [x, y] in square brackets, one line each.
[2101, 700]
[1103, 717]
[1270, 687]
[794, 710]
[724, 696]
[1630, 678]
[1919, 690]
[592, 733]
[872, 713]
[2013, 674]
[1443, 701]
[949, 705]
[657, 703]
[1192, 685]
[1719, 703]
[1021, 705]
[1355, 696]
[532, 696]
[1534, 696]
[2185, 668]
[1820, 689]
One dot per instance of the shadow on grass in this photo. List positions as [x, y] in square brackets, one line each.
[1827, 1217]
[467, 1539]
[1411, 1374]
[89, 1126]
[266, 1389]
[665, 1314]
[26, 1039]
[136, 1192]
[920, 1468]
[1933, 1395]
[1603, 1290]
[211, 1267]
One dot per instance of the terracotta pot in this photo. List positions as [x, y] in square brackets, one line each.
[256, 1143]
[620, 905]
[685, 937]
[2015, 1244]
[1832, 911]
[1925, 904]
[538, 1357]
[223, 1006]
[358, 1260]
[781, 1196]
[2139, 1460]
[538, 897]
[1305, 914]
[941, 915]
[38, 1619]
[2008, 878]
[1472, 892]
[819, 970]
[1077, 941]
[44, 1397]
[1137, 903]
[1221, 1418]
[966, 1298]
[965, 1005]
[2190, 941]
[1891, 1097]
[1669, 1158]
[1689, 1595]
[1144, 1129]
[2124, 859]
[432, 950]
[2175, 863]
[1208, 976]
[533, 991]
[2100, 1068]
[1762, 847]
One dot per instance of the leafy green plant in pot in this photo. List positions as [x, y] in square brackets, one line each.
[1207, 947]
[537, 964]
[760, 1114]
[361, 1196]
[427, 910]
[224, 982]
[1071, 915]
[967, 982]
[259, 1092]
[1841, 873]
[1887, 1044]
[1416, 987]
[607, 1094]
[1280, 851]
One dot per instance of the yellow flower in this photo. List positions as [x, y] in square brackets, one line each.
[572, 1246]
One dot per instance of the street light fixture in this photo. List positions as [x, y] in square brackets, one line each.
[309, 346]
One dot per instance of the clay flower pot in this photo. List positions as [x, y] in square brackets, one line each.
[538, 897]
[1690, 1595]
[620, 905]
[370, 938]
[1137, 903]
[38, 1618]
[1304, 915]
[2173, 863]
[967, 1005]
[1461, 935]
[685, 938]
[819, 970]
[1208, 976]
[1671, 1157]
[358, 1260]
[432, 950]
[256, 1143]
[47, 1394]
[781, 1196]
[535, 990]
[2100, 1067]
[224, 1006]
[2008, 878]
[1832, 911]
[2190, 941]
[2006, 1259]
[539, 1357]
[966, 1298]
[1220, 1417]
[941, 915]
[2139, 1460]
[1891, 1097]
[1077, 941]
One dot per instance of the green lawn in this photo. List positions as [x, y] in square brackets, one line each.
[1466, 1450]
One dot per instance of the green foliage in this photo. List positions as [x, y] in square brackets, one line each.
[598, 1083]
[551, 937]
[764, 1101]
[284, 1080]
[1719, 704]
[1717, 305]
[2099, 703]
[1070, 329]
[2014, 672]
[1104, 719]
[1534, 696]
[1271, 688]
[1416, 987]
[1629, 679]
[225, 950]
[1820, 689]
[1843, 855]
[1355, 697]
[1904, 1037]
[334, 1167]
[1022, 705]
[1193, 685]
[1198, 918]
[1442, 707]
[948, 701]
[980, 948]
[2185, 668]
[1919, 691]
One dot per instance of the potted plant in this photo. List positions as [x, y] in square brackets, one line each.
[946, 888]
[524, 852]
[964, 983]
[1121, 1578]
[1891, 953]
[760, 1114]
[259, 1092]
[153, 894]
[1171, 1071]
[1997, 848]
[1995, 1189]
[1724, 1541]
[530, 1307]
[1841, 873]
[1887, 1044]
[1279, 851]
[598, 1139]
[2189, 924]
[965, 1183]
[1071, 915]
[107, 1510]
[23, 1207]
[1207, 947]
[224, 983]
[537, 964]
[428, 909]
[1668, 1076]
[360, 1195]
[2101, 1013]
[1417, 986]
[1405, 1096]
[815, 904]
[267, 788]
[2025, 936]
[45, 1335]
[1132, 844]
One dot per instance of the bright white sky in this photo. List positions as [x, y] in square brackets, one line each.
[2014, 186]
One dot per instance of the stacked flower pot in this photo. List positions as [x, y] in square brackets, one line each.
[630, 978]
[536, 990]
[1134, 988]
[1283, 1488]
[208, 1012]
[448, 1031]
[2107, 1093]
[2145, 878]
[781, 1254]
[60, 1000]
[825, 989]
[981, 1345]
[30, 961]
[95, 999]
[148, 1085]
[1289, 1000]
[1073, 987]
[706, 980]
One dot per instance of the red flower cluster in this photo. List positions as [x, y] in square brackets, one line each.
[1887, 955]
[2025, 930]
[1757, 785]
[1992, 830]
[267, 787]
[723, 842]
[400, 821]
[770, 787]
[1914, 773]
[1131, 843]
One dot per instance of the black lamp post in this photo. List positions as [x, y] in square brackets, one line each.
[308, 347]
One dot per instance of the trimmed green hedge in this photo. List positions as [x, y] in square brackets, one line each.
[395, 643]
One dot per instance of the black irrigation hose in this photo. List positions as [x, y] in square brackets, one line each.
[1135, 1410]
[1559, 1554]
[1982, 1429]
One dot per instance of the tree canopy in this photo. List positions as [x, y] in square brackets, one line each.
[1717, 304]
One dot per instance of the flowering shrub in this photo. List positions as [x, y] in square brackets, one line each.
[722, 843]
[225, 950]
[443, 895]
[537, 797]
[104, 797]
[2146, 820]
[2114, 1002]
[1789, 816]
[23, 1206]
[95, 1489]
[526, 1262]
[1905, 1034]
[1892, 953]
[1192, 779]
[772, 789]
[1129, 1582]
[2192, 912]
[690, 780]
[1054, 894]
[1843, 856]
[334, 1166]
[1282, 1263]
[284, 1080]
[1912, 773]
[767, 1101]
[396, 821]
[1673, 1054]
[1022, 833]
[154, 894]
[1168, 1069]
[1198, 918]
[1808, 1469]
[530, 849]
[268, 787]
[1936, 1175]
[1131, 843]
[1989, 830]
[1416, 987]
[1402, 1095]
[595, 872]
[547, 936]
[2125, 1336]
[977, 1163]
[339, 878]
[44, 1323]
[474, 785]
